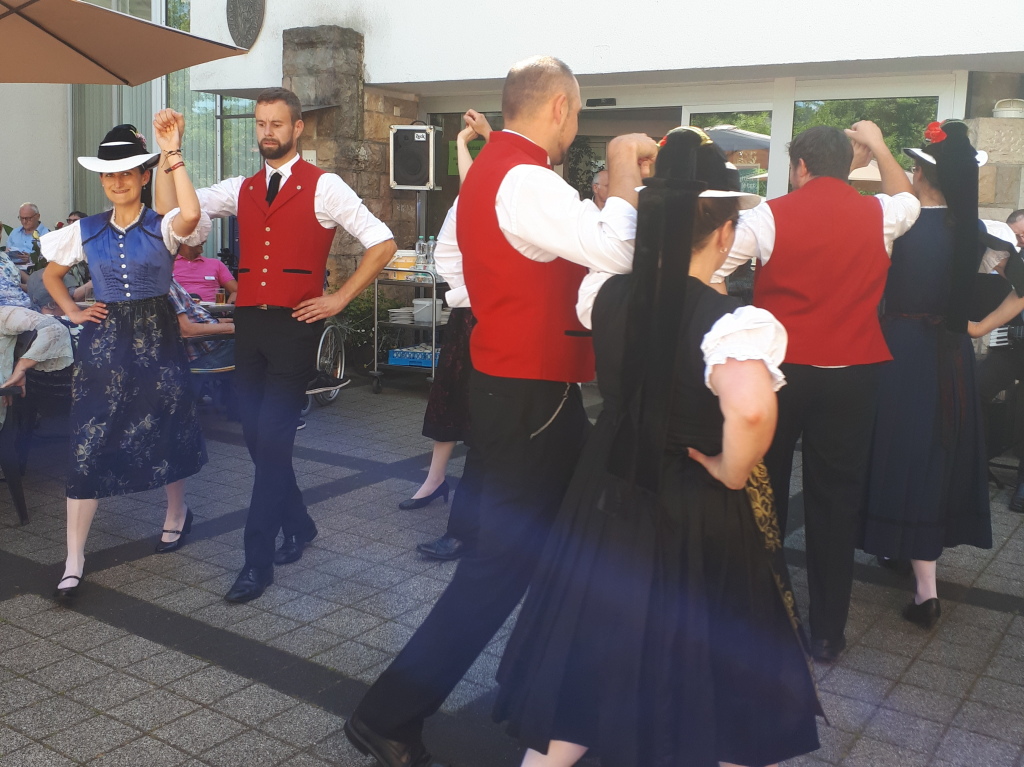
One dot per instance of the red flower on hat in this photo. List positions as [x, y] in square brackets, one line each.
[934, 133]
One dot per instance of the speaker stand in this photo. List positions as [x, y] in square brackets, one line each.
[421, 214]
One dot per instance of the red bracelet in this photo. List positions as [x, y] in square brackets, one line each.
[174, 167]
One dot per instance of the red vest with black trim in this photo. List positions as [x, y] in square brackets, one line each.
[523, 308]
[826, 275]
[283, 248]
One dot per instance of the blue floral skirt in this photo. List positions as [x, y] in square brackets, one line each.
[134, 425]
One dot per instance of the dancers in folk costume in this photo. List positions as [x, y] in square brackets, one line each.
[659, 628]
[133, 414]
[928, 479]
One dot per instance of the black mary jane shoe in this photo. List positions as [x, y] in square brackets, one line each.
[68, 591]
[419, 503]
[166, 547]
[925, 615]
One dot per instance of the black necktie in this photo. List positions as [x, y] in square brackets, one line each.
[275, 184]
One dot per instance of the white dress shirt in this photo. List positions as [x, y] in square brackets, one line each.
[334, 203]
[448, 261]
[755, 233]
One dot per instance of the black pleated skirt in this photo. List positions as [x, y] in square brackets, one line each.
[447, 416]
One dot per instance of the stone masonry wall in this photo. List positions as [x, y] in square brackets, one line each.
[1000, 182]
[349, 129]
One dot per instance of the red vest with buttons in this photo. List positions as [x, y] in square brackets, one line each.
[283, 247]
[523, 308]
[826, 275]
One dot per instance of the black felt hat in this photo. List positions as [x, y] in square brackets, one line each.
[123, 148]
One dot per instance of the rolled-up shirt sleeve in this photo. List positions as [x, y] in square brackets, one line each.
[173, 241]
[544, 218]
[448, 261]
[899, 213]
[63, 246]
[337, 204]
[221, 199]
[755, 240]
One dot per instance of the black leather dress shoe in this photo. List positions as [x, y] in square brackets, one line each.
[444, 548]
[291, 549]
[250, 584]
[1017, 501]
[419, 503]
[71, 589]
[925, 615]
[388, 753]
[827, 650]
[165, 547]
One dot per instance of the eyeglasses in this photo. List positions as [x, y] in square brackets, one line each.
[28, 218]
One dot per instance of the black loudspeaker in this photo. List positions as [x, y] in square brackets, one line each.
[413, 149]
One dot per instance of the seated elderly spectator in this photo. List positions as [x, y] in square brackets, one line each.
[202, 276]
[198, 328]
[41, 297]
[12, 279]
[22, 241]
[50, 350]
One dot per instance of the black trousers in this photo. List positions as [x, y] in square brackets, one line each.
[464, 516]
[527, 455]
[833, 409]
[998, 371]
[275, 358]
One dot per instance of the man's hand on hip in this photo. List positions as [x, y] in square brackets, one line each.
[314, 309]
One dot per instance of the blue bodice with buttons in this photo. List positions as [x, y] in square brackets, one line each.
[129, 265]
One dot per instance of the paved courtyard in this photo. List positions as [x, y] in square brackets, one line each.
[151, 668]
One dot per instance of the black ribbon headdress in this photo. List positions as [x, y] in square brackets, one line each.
[688, 164]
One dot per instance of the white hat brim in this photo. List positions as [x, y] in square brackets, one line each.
[745, 199]
[97, 165]
[919, 154]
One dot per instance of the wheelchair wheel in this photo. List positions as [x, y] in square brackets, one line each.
[330, 358]
[307, 407]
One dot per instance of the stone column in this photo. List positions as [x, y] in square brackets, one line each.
[347, 125]
[1000, 182]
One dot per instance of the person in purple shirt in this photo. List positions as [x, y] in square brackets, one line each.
[202, 276]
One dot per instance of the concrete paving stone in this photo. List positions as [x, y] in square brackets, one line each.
[199, 731]
[254, 704]
[222, 614]
[305, 608]
[918, 701]
[389, 637]
[105, 692]
[207, 550]
[153, 709]
[48, 622]
[166, 667]
[871, 660]
[116, 577]
[91, 738]
[905, 730]
[10, 740]
[87, 636]
[144, 752]
[339, 565]
[72, 671]
[416, 616]
[305, 580]
[1006, 669]
[846, 714]
[930, 676]
[979, 617]
[306, 760]
[979, 640]
[32, 656]
[969, 749]
[835, 744]
[998, 723]
[348, 622]
[956, 656]
[854, 684]
[48, 716]
[306, 641]
[465, 692]
[484, 670]
[186, 600]
[1011, 647]
[866, 752]
[351, 657]
[303, 725]
[13, 636]
[20, 693]
[35, 755]
[389, 604]
[1000, 585]
[999, 694]
[1008, 570]
[264, 626]
[250, 749]
[341, 542]
[148, 589]
[209, 685]
[333, 750]
[125, 651]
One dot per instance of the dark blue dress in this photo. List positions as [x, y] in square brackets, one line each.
[133, 413]
[928, 486]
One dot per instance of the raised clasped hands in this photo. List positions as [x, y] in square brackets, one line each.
[97, 312]
[168, 128]
[476, 126]
[866, 133]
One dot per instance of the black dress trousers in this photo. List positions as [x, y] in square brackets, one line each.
[833, 409]
[464, 516]
[275, 358]
[528, 435]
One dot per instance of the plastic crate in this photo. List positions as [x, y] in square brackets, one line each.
[412, 356]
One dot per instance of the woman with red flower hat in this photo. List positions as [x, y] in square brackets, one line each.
[928, 487]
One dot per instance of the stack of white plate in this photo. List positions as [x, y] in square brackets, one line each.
[403, 315]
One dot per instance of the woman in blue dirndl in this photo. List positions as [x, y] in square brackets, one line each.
[134, 425]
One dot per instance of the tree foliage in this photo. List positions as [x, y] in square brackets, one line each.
[757, 122]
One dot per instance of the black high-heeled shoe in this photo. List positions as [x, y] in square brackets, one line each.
[419, 503]
[925, 615]
[165, 547]
[68, 591]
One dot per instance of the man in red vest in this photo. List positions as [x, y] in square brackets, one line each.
[287, 214]
[822, 259]
[527, 240]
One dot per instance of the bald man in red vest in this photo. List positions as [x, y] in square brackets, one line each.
[527, 240]
[822, 256]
